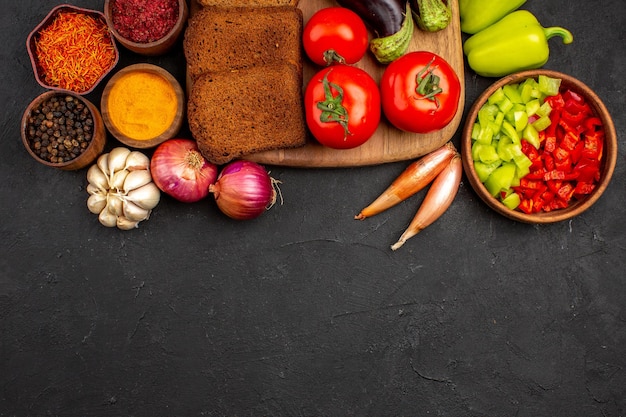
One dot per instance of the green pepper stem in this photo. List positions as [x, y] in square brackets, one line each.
[559, 31]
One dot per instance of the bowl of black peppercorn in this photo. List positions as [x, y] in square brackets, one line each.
[63, 130]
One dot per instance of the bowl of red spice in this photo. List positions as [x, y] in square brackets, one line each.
[63, 130]
[539, 146]
[146, 27]
[72, 49]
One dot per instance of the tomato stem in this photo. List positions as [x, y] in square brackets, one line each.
[331, 57]
[428, 83]
[331, 107]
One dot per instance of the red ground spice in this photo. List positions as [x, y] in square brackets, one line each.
[74, 51]
[144, 21]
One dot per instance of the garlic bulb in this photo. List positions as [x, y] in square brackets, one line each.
[121, 190]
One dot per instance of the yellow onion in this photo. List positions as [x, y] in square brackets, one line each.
[438, 199]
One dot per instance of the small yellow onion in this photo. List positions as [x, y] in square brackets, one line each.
[121, 189]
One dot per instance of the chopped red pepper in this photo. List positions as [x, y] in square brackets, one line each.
[593, 124]
[567, 164]
[573, 119]
[569, 141]
[584, 188]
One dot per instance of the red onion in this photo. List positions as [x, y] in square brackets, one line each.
[244, 190]
[179, 169]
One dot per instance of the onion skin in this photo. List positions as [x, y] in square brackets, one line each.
[243, 190]
[438, 199]
[179, 170]
[412, 180]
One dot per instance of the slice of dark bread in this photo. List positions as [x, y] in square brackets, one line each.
[232, 113]
[218, 38]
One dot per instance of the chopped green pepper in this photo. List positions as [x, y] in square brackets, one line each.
[516, 42]
[476, 15]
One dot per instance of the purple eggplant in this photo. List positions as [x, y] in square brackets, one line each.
[431, 15]
[390, 21]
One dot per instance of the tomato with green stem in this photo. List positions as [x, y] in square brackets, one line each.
[335, 35]
[342, 106]
[420, 92]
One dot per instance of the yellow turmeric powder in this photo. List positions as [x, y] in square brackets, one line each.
[142, 105]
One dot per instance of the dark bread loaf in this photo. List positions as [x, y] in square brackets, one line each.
[218, 38]
[232, 113]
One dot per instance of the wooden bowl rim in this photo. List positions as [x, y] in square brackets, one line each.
[98, 139]
[178, 118]
[154, 45]
[45, 22]
[608, 165]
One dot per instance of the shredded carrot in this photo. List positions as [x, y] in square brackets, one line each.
[74, 51]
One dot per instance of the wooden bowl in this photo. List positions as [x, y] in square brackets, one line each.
[88, 155]
[158, 47]
[576, 207]
[134, 115]
[31, 45]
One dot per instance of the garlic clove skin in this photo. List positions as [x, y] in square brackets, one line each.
[117, 160]
[137, 161]
[115, 205]
[133, 212]
[136, 179]
[147, 197]
[103, 164]
[96, 203]
[96, 177]
[117, 181]
[107, 218]
[126, 224]
[92, 189]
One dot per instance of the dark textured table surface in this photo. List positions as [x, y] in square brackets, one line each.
[305, 311]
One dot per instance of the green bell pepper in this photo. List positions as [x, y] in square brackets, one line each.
[516, 42]
[476, 15]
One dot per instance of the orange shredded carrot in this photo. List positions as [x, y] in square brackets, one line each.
[74, 51]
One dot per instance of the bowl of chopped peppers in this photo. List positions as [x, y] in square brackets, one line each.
[146, 27]
[72, 49]
[539, 146]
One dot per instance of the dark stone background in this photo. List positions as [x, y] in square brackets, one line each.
[304, 311]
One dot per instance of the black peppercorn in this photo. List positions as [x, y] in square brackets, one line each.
[58, 129]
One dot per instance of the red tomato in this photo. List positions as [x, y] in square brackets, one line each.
[335, 35]
[417, 109]
[342, 106]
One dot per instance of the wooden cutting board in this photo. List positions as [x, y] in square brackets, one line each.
[388, 144]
